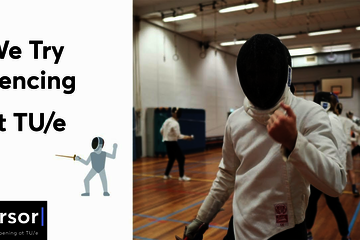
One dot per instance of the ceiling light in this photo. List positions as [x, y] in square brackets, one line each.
[286, 37]
[324, 32]
[180, 17]
[358, 28]
[232, 43]
[301, 51]
[337, 48]
[284, 1]
[239, 8]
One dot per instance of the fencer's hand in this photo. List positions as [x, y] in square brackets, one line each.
[77, 158]
[115, 145]
[282, 127]
[189, 138]
[193, 228]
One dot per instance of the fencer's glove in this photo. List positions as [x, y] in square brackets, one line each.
[115, 145]
[196, 229]
[206, 214]
[77, 158]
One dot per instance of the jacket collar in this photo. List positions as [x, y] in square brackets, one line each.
[262, 116]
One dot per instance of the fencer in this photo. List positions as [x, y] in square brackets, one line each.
[97, 159]
[170, 131]
[274, 147]
[330, 102]
[349, 126]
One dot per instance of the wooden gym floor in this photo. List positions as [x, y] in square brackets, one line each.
[162, 208]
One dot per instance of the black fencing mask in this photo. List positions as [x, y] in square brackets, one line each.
[327, 100]
[264, 67]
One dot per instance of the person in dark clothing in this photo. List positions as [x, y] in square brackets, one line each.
[170, 131]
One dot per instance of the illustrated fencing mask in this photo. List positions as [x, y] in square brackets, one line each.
[264, 67]
[97, 143]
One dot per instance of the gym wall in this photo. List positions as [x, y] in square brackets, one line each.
[190, 82]
[313, 74]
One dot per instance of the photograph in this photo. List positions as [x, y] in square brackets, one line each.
[246, 119]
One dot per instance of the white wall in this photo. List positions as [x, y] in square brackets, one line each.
[190, 82]
[312, 74]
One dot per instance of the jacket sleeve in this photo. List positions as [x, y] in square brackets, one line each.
[342, 143]
[315, 154]
[223, 185]
[177, 131]
[354, 127]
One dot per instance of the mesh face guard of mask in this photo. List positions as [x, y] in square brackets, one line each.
[326, 100]
[264, 68]
[97, 143]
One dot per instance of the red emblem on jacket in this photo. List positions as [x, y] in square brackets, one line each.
[281, 214]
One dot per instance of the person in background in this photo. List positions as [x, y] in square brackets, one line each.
[349, 126]
[329, 102]
[354, 137]
[170, 131]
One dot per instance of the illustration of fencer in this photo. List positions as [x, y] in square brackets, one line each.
[97, 159]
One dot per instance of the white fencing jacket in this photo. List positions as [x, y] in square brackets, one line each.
[271, 190]
[338, 132]
[349, 126]
[170, 130]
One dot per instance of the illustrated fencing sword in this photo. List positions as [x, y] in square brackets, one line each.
[73, 157]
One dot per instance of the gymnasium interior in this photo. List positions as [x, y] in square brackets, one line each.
[184, 56]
